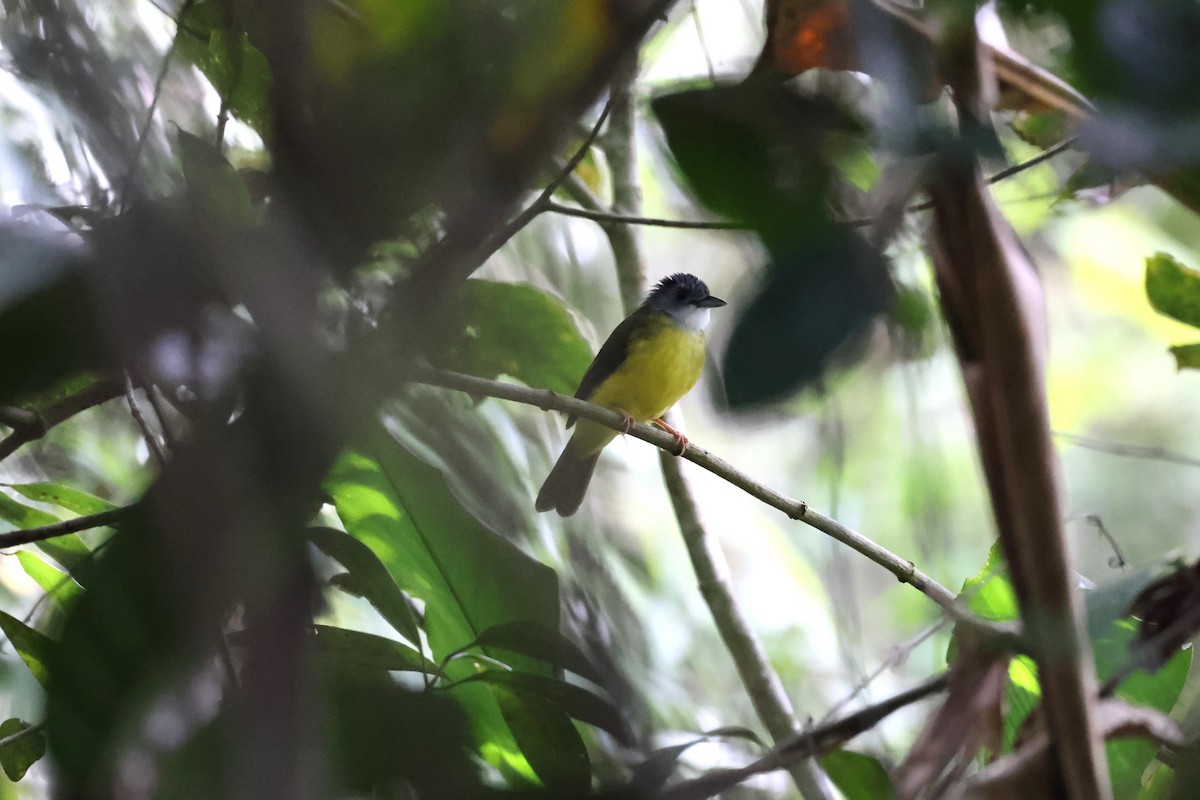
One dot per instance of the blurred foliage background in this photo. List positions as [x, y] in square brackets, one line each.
[262, 216]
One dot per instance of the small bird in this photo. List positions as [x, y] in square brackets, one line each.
[650, 360]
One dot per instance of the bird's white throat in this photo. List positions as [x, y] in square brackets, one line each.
[691, 318]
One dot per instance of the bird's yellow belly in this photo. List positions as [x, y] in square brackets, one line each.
[659, 369]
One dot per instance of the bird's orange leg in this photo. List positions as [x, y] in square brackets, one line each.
[680, 439]
[627, 421]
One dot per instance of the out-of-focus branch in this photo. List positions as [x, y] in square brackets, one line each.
[762, 683]
[32, 425]
[84, 523]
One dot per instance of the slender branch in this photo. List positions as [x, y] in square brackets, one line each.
[655, 222]
[143, 426]
[903, 569]
[1149, 453]
[37, 423]
[19, 735]
[87, 522]
[806, 744]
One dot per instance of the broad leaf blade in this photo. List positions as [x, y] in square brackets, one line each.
[541, 642]
[370, 578]
[367, 651]
[34, 647]
[61, 587]
[19, 755]
[66, 497]
[575, 701]
[857, 776]
[1173, 289]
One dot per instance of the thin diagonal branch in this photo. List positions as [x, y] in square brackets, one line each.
[903, 569]
[84, 523]
[33, 425]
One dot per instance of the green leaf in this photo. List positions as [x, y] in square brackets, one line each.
[1173, 289]
[575, 701]
[66, 497]
[549, 740]
[71, 553]
[470, 578]
[18, 755]
[541, 642]
[61, 587]
[213, 185]
[517, 330]
[237, 70]
[370, 579]
[989, 593]
[368, 651]
[1187, 356]
[22, 516]
[857, 776]
[35, 648]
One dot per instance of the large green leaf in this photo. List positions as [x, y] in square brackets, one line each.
[69, 550]
[518, 330]
[549, 739]
[366, 650]
[1173, 289]
[66, 497]
[370, 579]
[34, 648]
[536, 640]
[857, 775]
[470, 578]
[19, 754]
[236, 69]
[61, 587]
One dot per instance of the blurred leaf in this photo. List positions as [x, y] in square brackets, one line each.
[550, 741]
[1187, 356]
[1173, 289]
[989, 593]
[367, 651]
[22, 516]
[18, 756]
[36, 649]
[650, 775]
[71, 553]
[75, 500]
[517, 330]
[538, 641]
[237, 70]
[857, 776]
[1128, 758]
[371, 579]
[48, 330]
[59, 585]
[214, 186]
[470, 578]
[1110, 603]
[573, 700]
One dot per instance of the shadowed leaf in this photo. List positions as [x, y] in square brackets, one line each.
[19, 755]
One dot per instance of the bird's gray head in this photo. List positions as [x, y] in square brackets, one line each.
[685, 298]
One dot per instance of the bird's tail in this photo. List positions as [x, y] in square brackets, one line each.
[567, 482]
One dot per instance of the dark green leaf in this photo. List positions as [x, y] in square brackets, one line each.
[857, 776]
[1173, 289]
[549, 740]
[650, 775]
[575, 701]
[71, 553]
[237, 70]
[539, 641]
[1187, 356]
[71, 499]
[213, 185]
[518, 330]
[19, 754]
[368, 651]
[59, 585]
[35, 649]
[22, 516]
[371, 578]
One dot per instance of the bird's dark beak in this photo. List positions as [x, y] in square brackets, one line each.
[711, 302]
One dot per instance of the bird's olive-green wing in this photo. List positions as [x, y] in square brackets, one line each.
[612, 354]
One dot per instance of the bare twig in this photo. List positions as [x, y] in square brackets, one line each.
[19, 735]
[806, 744]
[1145, 452]
[606, 217]
[35, 424]
[140, 420]
[98, 520]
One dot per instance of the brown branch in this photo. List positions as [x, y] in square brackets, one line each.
[609, 218]
[35, 424]
[98, 520]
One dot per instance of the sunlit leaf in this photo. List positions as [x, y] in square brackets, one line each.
[65, 496]
[650, 775]
[1173, 289]
[857, 775]
[18, 755]
[370, 577]
[517, 330]
[34, 648]
[549, 739]
[22, 516]
[61, 587]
